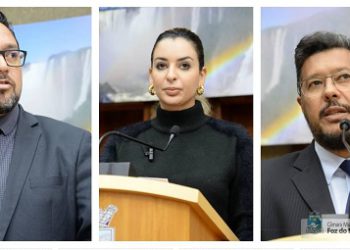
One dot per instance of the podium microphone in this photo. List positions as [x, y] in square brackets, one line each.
[345, 126]
[174, 131]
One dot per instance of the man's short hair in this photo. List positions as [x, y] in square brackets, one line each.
[314, 43]
[6, 23]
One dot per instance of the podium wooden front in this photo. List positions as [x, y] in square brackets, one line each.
[156, 210]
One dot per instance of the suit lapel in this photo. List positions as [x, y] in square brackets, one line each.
[26, 140]
[311, 183]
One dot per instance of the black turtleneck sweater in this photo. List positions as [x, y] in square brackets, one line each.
[212, 155]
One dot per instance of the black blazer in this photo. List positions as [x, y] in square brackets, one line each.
[292, 186]
[48, 194]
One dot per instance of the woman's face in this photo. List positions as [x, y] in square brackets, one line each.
[175, 73]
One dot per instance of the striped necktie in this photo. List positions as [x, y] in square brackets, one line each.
[345, 166]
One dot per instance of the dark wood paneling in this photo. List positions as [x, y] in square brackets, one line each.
[237, 109]
[268, 152]
[115, 115]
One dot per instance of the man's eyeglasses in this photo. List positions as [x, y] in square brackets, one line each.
[314, 86]
[14, 57]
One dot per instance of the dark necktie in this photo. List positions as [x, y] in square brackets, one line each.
[345, 166]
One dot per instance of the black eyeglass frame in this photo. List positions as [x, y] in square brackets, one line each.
[3, 52]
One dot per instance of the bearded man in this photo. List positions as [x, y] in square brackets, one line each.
[314, 180]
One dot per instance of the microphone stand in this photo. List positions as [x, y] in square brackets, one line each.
[174, 131]
[345, 126]
[129, 138]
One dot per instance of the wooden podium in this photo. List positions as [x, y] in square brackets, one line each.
[156, 210]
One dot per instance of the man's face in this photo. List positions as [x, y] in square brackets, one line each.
[10, 77]
[325, 110]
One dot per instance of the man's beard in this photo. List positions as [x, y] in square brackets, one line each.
[330, 141]
[8, 104]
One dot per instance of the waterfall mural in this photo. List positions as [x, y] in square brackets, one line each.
[57, 75]
[127, 36]
[60, 87]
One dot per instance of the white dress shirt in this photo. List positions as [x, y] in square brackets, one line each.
[338, 181]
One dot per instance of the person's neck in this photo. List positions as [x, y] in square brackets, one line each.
[344, 153]
[188, 119]
[176, 108]
[2, 116]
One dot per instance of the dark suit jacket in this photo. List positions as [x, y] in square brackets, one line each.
[48, 194]
[292, 186]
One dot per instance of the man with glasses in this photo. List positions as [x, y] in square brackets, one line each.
[44, 164]
[313, 181]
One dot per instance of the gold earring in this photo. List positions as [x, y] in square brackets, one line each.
[200, 90]
[151, 89]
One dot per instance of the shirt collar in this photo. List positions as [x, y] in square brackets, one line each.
[330, 162]
[9, 121]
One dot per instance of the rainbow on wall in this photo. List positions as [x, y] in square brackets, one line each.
[270, 134]
[222, 60]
